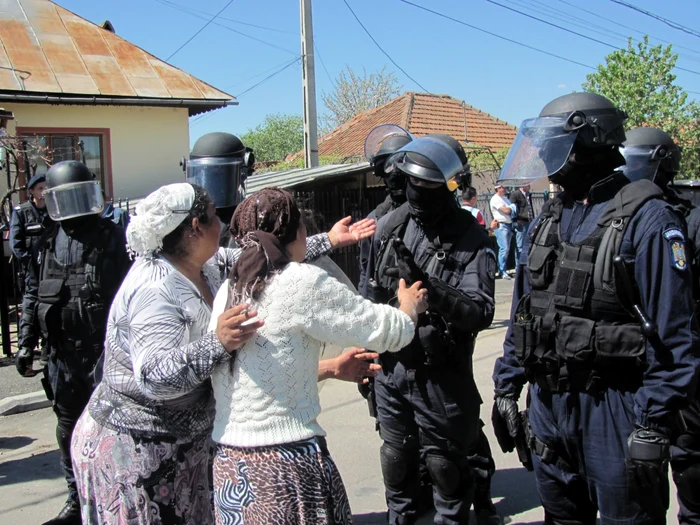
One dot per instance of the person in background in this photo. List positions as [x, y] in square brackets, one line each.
[28, 222]
[502, 211]
[523, 202]
[469, 199]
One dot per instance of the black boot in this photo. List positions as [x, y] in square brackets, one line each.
[69, 515]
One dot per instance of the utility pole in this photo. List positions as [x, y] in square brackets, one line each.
[309, 86]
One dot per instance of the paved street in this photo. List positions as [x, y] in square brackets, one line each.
[32, 490]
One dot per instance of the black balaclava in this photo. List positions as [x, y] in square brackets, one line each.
[586, 167]
[430, 205]
[395, 183]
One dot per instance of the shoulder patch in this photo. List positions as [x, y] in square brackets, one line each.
[674, 233]
[678, 257]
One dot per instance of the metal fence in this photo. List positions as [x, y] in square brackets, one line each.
[538, 200]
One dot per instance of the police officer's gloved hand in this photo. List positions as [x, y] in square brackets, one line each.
[649, 454]
[408, 269]
[24, 361]
[506, 421]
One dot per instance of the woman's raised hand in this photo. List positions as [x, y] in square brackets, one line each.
[413, 300]
[236, 326]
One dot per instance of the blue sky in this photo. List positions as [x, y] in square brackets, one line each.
[506, 80]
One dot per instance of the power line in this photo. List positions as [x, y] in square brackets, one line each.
[275, 30]
[202, 29]
[670, 23]
[575, 33]
[381, 49]
[188, 12]
[501, 37]
[269, 77]
[323, 64]
[616, 22]
[257, 75]
[553, 24]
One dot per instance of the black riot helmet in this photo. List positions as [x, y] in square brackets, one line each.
[651, 153]
[464, 178]
[382, 142]
[220, 163]
[72, 191]
[579, 130]
[428, 159]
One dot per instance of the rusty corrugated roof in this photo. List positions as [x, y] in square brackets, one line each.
[421, 114]
[46, 49]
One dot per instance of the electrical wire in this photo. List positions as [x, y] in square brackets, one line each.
[188, 12]
[496, 35]
[200, 30]
[382, 49]
[244, 81]
[575, 33]
[290, 64]
[670, 23]
[323, 64]
[275, 30]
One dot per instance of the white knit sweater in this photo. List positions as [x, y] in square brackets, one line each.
[267, 395]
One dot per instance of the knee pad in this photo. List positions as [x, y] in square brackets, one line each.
[398, 465]
[446, 474]
[687, 482]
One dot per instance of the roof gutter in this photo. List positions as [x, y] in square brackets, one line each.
[190, 103]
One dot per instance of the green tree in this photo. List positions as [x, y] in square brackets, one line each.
[485, 162]
[640, 80]
[354, 93]
[277, 137]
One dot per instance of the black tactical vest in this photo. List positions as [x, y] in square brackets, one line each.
[71, 308]
[33, 223]
[574, 330]
[446, 258]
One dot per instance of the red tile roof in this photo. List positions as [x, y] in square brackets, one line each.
[53, 51]
[421, 114]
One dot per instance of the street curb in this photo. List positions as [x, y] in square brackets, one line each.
[24, 403]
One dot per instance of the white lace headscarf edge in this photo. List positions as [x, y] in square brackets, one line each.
[158, 215]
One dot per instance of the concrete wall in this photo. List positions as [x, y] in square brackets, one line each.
[145, 143]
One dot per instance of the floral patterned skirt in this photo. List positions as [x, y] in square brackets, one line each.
[126, 482]
[295, 484]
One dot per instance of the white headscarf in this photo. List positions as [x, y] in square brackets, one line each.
[158, 215]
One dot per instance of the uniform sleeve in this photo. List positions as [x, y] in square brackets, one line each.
[663, 278]
[469, 305]
[166, 365]
[18, 237]
[508, 375]
[332, 313]
[365, 262]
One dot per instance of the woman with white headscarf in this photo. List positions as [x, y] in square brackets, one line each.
[141, 449]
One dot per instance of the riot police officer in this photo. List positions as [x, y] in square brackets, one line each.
[382, 142]
[28, 223]
[220, 163]
[602, 326]
[80, 263]
[426, 395]
[651, 154]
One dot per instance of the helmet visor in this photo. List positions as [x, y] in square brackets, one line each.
[221, 177]
[640, 162]
[426, 158]
[540, 149]
[74, 200]
[380, 134]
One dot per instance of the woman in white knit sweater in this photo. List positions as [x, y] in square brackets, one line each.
[272, 465]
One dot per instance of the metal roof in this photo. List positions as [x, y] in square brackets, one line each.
[49, 54]
[291, 178]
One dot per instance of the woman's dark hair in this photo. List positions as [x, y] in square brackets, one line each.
[174, 244]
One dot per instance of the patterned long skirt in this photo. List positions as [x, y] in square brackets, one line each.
[124, 482]
[295, 484]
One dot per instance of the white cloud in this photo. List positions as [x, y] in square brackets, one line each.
[561, 86]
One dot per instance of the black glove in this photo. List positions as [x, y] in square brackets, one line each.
[24, 361]
[649, 454]
[408, 269]
[509, 427]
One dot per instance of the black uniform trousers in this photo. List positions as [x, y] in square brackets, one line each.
[433, 412]
[28, 325]
[71, 380]
[685, 467]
